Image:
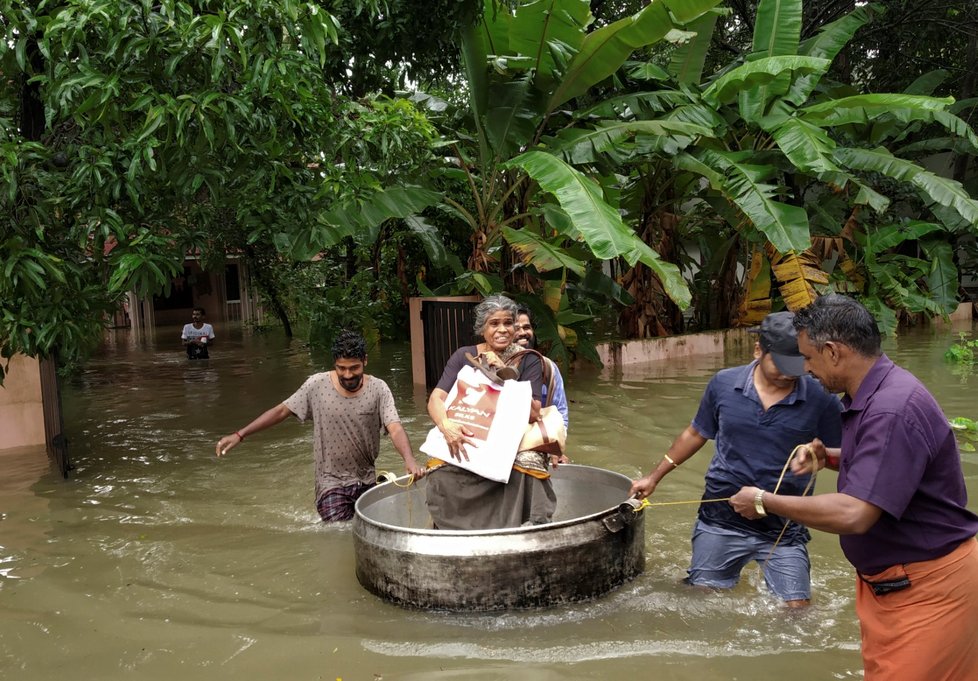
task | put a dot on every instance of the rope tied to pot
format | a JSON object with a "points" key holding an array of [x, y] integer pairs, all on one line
{"points": [[645, 503]]}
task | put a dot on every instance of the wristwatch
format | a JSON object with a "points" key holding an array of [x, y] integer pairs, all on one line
{"points": [[759, 503]]}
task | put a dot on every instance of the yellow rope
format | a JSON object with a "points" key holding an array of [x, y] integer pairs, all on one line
{"points": [[393, 479], [410, 478], [811, 483], [808, 487], [646, 503]]}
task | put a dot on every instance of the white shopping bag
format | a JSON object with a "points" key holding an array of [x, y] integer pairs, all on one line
{"points": [[497, 415]]}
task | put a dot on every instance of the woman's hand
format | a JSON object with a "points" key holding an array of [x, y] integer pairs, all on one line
{"points": [[557, 459], [456, 437]]}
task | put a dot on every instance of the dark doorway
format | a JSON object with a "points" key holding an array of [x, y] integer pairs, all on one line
{"points": [[447, 327]]}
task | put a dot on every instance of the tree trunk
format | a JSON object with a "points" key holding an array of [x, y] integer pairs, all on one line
{"points": [[653, 314], [268, 289]]}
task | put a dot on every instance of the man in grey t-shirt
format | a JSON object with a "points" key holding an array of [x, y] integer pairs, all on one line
{"points": [[348, 408]]}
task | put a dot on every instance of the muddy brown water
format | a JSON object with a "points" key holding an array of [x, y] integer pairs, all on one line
{"points": [[157, 560]]}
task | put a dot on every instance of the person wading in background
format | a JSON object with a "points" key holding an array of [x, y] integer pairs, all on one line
{"points": [[197, 335]]}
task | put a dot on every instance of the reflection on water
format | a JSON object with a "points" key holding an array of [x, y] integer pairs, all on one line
{"points": [[160, 560]]}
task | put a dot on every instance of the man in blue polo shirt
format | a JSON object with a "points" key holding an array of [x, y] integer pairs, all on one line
{"points": [[756, 414], [901, 506]]}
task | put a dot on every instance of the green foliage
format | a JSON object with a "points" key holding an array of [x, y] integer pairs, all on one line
{"points": [[962, 352], [786, 146], [384, 45], [132, 133], [539, 216], [966, 432]]}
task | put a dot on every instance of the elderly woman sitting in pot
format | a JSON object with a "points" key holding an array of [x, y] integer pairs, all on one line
{"points": [[461, 500]]}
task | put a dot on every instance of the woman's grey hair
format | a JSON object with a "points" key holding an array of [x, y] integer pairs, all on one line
{"points": [[840, 319], [488, 307]]}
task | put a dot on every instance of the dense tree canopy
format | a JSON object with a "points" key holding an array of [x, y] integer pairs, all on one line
{"points": [[528, 145], [134, 132]]}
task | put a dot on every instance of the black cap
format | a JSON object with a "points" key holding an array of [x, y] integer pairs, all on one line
{"points": [[779, 338]]}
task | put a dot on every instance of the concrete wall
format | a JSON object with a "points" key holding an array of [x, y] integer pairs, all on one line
{"points": [[21, 409], [618, 354]]}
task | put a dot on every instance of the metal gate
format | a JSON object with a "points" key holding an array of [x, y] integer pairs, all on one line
{"points": [[54, 425], [447, 327]]}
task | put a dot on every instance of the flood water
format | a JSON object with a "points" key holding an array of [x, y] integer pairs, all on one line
{"points": [[157, 560]]}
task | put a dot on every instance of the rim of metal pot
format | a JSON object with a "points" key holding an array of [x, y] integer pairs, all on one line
{"points": [[359, 515]]}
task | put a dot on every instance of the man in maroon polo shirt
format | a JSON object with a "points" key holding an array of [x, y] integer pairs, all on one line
{"points": [[901, 505]]}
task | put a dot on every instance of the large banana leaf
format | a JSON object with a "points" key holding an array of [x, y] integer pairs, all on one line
{"points": [[728, 87], [867, 196], [540, 253], [474, 54], [958, 127], [826, 44], [942, 280], [927, 83], [582, 200], [360, 220], [699, 114], [777, 28], [494, 29], [686, 62], [646, 71], [557, 219], [694, 165], [807, 146], [606, 49], [895, 123], [784, 225], [394, 202], [886, 316], [862, 108], [936, 145], [939, 190], [800, 276], [577, 145], [512, 116], [598, 222], [667, 273], [756, 302], [635, 104], [884, 238], [430, 239], [832, 37], [544, 22]]}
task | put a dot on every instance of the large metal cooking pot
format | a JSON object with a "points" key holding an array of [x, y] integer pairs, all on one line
{"points": [[595, 544]]}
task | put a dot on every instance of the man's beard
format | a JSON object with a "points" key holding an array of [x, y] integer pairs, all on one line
{"points": [[352, 384]]}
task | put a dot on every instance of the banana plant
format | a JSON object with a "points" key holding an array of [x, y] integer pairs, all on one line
{"points": [[536, 220], [784, 141]]}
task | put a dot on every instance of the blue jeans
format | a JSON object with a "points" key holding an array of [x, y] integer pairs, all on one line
{"points": [[721, 553]]}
